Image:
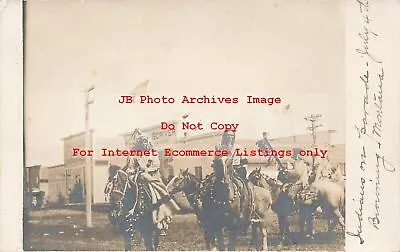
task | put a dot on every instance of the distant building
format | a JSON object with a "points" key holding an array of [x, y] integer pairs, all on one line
{"points": [[74, 166], [57, 184], [35, 183], [32, 176]]}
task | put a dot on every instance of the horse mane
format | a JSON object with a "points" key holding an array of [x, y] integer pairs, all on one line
{"points": [[112, 171], [193, 177]]}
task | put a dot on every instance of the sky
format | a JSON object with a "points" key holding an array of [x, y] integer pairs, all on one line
{"points": [[288, 49]]}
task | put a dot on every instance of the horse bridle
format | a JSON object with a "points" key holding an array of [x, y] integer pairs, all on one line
{"points": [[196, 193], [184, 178], [113, 189]]}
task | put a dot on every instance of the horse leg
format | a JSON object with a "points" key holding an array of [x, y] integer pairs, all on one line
{"points": [[332, 222], [301, 221], [308, 218], [220, 239], [127, 241], [232, 239], [339, 217], [254, 235], [285, 228], [309, 225], [209, 239], [264, 233], [156, 238], [281, 226], [148, 240]]}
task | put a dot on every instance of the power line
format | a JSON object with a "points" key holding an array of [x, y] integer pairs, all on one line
{"points": [[314, 119]]}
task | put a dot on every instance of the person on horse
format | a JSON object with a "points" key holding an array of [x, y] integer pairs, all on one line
{"points": [[239, 165], [146, 169]]}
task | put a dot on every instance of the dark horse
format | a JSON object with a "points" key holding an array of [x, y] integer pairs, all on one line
{"points": [[227, 204], [131, 209], [195, 190]]}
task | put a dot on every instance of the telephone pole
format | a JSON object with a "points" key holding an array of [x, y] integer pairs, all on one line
{"points": [[88, 162], [313, 118]]}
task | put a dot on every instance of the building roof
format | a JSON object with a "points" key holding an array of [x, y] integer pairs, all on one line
{"points": [[200, 136], [54, 166], [76, 134], [33, 166], [149, 128]]}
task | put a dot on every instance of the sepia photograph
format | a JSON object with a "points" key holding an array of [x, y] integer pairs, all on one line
{"points": [[184, 125]]}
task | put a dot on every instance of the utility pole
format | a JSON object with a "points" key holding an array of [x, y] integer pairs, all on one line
{"points": [[313, 118], [88, 163]]}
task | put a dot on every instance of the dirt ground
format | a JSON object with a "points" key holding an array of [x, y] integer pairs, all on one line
{"points": [[65, 230]]}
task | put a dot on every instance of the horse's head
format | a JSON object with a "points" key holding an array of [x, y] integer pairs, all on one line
{"points": [[258, 179], [255, 176], [115, 191], [283, 176], [185, 182], [112, 171], [120, 184], [220, 169]]}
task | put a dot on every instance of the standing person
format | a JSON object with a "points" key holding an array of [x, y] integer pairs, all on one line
{"points": [[283, 207], [146, 169]]}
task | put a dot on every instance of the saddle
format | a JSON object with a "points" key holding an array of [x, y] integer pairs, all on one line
{"points": [[241, 190], [304, 195], [307, 196]]}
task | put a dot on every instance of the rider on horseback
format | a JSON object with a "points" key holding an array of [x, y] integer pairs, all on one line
{"points": [[239, 164], [146, 169], [239, 169]]}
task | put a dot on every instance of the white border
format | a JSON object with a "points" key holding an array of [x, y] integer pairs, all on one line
{"points": [[11, 107], [385, 22]]}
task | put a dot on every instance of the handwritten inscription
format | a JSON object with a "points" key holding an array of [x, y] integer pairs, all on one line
{"points": [[378, 102], [359, 213], [369, 128], [366, 34]]}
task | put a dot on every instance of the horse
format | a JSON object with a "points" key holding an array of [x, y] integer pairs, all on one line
{"points": [[330, 180], [298, 173], [325, 194], [282, 204], [194, 190], [131, 209], [227, 204], [330, 193], [332, 201]]}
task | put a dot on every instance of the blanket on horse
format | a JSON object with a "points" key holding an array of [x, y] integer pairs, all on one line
{"points": [[246, 197], [163, 207], [238, 192]]}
